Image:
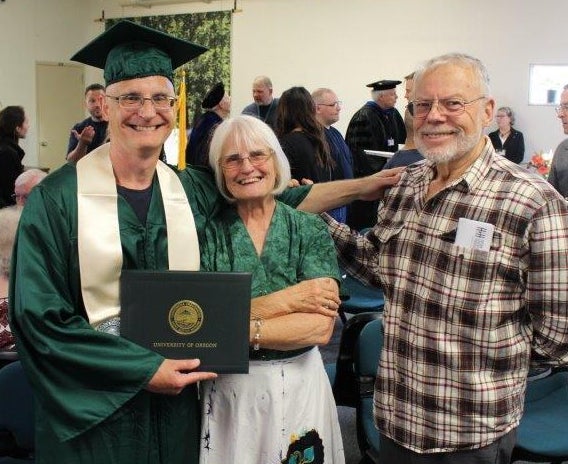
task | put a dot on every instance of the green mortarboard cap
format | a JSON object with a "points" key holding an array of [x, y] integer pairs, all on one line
{"points": [[128, 50]]}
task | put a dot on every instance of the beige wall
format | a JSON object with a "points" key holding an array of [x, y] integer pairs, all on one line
{"points": [[343, 44], [32, 31]]}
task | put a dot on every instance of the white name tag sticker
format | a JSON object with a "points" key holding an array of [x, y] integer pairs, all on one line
{"points": [[474, 234]]}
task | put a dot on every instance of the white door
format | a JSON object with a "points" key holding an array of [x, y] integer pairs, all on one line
{"points": [[60, 88]]}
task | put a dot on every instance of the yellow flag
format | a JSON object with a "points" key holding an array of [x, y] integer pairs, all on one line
{"points": [[182, 123]]}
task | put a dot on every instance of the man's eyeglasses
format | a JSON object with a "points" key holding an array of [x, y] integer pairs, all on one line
{"points": [[563, 108], [446, 106], [135, 102], [338, 104], [255, 157]]}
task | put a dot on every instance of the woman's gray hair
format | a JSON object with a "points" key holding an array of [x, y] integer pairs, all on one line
{"points": [[509, 112], [460, 59], [9, 219], [247, 132]]}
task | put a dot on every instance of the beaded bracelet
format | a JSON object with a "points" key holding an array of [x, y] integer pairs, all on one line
{"points": [[257, 325]]}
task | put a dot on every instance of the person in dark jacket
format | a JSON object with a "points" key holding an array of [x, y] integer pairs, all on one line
{"points": [[14, 126], [265, 104], [217, 106], [508, 141], [376, 126], [90, 133], [328, 108]]}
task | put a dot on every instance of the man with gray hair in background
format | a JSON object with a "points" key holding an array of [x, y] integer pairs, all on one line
{"points": [[472, 254], [264, 105], [558, 176], [328, 108]]}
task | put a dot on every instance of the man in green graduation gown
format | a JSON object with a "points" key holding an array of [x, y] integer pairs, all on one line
{"points": [[101, 398]]}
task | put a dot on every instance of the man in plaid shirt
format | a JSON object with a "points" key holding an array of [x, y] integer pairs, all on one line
{"points": [[472, 254]]}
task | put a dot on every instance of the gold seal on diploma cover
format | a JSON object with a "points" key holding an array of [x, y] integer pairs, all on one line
{"points": [[185, 317]]}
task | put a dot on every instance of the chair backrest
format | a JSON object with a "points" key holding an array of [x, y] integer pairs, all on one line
{"points": [[16, 409], [369, 346], [541, 435], [345, 386], [7, 357], [367, 353], [361, 298]]}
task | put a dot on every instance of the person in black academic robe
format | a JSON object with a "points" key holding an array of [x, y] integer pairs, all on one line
{"points": [[376, 126]]}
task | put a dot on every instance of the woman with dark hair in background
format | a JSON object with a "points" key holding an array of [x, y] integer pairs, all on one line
{"points": [[508, 141], [303, 140], [13, 127], [302, 137]]}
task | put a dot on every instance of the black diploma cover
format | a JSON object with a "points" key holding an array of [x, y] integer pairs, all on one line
{"points": [[189, 314]]}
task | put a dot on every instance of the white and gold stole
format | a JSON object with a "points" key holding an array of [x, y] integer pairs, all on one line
{"points": [[100, 251]]}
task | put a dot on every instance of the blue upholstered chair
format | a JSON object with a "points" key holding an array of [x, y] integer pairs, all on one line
{"points": [[341, 373], [361, 298], [7, 357], [542, 435], [366, 361], [16, 416]]}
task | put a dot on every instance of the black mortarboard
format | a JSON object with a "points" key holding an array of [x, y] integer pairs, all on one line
{"points": [[384, 85], [128, 50], [214, 96]]}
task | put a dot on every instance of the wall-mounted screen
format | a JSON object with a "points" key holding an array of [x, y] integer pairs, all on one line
{"points": [[546, 82]]}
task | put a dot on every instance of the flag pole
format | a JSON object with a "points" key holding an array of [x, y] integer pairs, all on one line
{"points": [[182, 123]]}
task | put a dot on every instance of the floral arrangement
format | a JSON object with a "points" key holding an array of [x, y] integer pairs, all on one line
{"points": [[540, 162]]}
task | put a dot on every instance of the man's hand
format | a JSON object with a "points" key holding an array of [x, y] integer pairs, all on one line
{"points": [[295, 183], [85, 136], [174, 375], [375, 184], [328, 195]]}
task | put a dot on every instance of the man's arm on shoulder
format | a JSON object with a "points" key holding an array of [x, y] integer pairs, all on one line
{"points": [[328, 195]]}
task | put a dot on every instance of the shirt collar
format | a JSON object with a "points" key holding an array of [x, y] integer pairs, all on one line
{"points": [[470, 179]]}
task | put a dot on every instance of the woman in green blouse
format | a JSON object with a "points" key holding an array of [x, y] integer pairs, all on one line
{"points": [[254, 417]]}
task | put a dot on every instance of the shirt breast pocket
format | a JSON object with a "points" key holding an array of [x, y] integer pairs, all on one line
{"points": [[387, 232], [473, 277]]}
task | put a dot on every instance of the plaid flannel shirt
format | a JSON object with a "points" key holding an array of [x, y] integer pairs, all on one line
{"points": [[461, 324]]}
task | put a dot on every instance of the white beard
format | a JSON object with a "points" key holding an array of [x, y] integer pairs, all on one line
{"points": [[462, 145]]}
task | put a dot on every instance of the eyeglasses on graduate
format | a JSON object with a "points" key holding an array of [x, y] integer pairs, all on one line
{"points": [[132, 101]]}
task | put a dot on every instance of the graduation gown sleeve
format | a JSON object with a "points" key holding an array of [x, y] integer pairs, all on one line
{"points": [[80, 376]]}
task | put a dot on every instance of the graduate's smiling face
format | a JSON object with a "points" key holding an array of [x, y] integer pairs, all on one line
{"points": [[145, 128]]}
